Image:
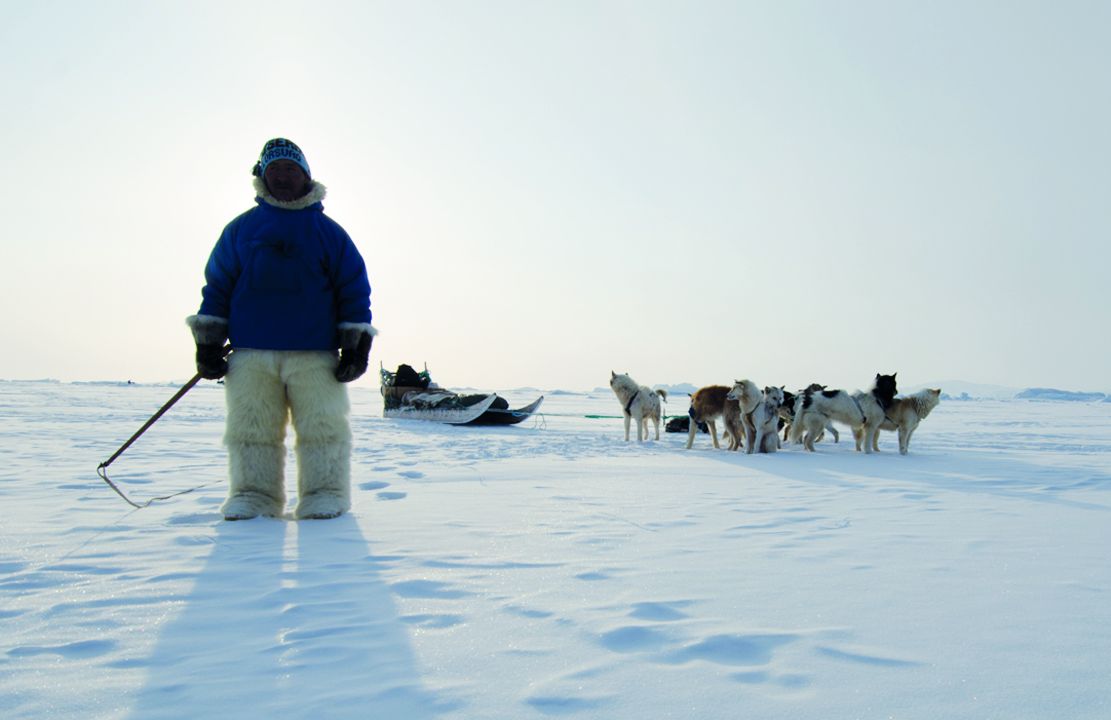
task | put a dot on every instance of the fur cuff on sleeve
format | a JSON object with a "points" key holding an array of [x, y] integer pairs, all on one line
{"points": [[363, 327], [351, 334], [208, 329]]}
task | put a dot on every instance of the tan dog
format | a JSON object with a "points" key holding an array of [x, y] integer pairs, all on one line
{"points": [[638, 402], [731, 419], [707, 406], [904, 415]]}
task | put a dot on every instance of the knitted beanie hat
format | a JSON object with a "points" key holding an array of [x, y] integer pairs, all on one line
{"points": [[280, 149]]}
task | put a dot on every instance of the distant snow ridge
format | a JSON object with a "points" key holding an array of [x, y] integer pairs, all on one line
{"points": [[680, 389], [1066, 395]]}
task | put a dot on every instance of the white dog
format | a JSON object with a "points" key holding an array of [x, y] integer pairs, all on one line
{"points": [[815, 409], [875, 405], [638, 402], [766, 419], [904, 415], [741, 403], [860, 411]]}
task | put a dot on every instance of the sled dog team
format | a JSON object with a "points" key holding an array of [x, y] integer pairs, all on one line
{"points": [[751, 418]]}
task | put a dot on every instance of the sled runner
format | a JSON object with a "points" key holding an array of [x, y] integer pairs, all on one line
{"points": [[504, 416], [408, 394], [441, 407]]}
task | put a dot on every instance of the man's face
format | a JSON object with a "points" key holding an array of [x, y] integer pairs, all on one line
{"points": [[286, 180]]}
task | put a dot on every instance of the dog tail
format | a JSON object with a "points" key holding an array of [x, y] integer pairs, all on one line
{"points": [[662, 393]]}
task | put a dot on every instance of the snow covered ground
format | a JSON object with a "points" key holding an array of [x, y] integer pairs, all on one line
{"points": [[551, 569]]}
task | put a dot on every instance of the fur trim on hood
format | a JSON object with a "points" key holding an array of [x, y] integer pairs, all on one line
{"points": [[315, 194]]}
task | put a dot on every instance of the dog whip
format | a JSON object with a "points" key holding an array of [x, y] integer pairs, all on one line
{"points": [[102, 469]]}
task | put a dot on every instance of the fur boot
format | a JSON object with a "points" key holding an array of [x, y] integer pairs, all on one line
{"points": [[253, 489], [323, 480], [255, 436], [320, 409]]}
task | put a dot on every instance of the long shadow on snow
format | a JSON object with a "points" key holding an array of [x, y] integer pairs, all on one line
{"points": [[262, 635], [968, 471]]}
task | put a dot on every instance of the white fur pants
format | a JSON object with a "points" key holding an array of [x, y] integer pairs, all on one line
{"points": [[264, 389]]}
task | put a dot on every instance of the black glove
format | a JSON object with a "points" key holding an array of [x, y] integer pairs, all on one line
{"points": [[353, 354], [210, 332], [212, 363]]}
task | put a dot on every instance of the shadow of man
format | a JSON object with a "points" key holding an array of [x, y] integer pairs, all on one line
{"points": [[264, 634], [349, 653]]}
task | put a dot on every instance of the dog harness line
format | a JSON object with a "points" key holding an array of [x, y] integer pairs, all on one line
{"points": [[880, 401], [859, 407]]}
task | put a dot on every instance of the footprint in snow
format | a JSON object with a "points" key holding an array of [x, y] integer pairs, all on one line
{"points": [[659, 611], [566, 705], [592, 576], [82, 649], [392, 495], [411, 474], [754, 649], [527, 612], [195, 519], [427, 590], [760, 677], [373, 485], [433, 621], [633, 639]]}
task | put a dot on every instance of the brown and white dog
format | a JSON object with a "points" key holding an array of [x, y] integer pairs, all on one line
{"points": [[707, 406], [638, 402], [903, 416]]}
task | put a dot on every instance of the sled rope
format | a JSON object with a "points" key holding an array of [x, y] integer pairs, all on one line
{"points": [[606, 417]]}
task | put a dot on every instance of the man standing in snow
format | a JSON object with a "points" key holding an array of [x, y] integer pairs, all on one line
{"points": [[286, 285]]}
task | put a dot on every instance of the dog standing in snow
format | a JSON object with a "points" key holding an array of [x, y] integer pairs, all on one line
{"points": [[904, 415], [742, 400], [638, 402], [814, 409], [787, 413], [733, 428], [860, 411], [875, 405], [707, 406], [765, 418]]}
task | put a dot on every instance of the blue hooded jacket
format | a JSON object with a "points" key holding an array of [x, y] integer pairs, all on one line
{"points": [[285, 275]]}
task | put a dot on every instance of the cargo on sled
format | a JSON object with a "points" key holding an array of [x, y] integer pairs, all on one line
{"points": [[408, 394]]}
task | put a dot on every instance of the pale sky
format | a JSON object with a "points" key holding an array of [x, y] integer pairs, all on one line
{"points": [[548, 191]]}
